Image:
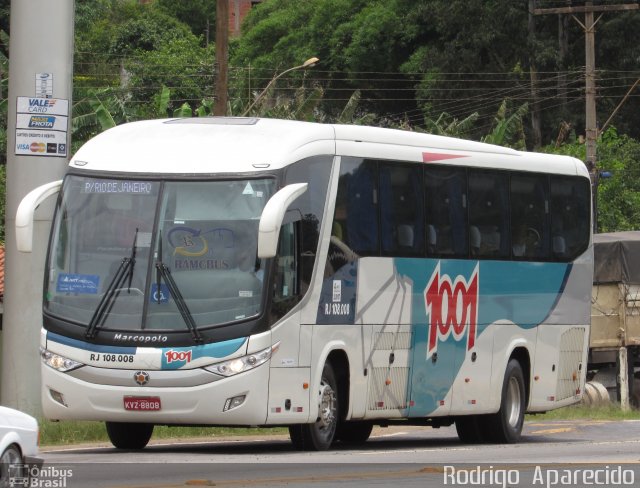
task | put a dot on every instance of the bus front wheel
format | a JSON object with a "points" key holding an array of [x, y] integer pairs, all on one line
{"points": [[320, 435], [354, 432], [129, 435]]}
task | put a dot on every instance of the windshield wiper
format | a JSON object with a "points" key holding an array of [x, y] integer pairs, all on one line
{"points": [[113, 290], [162, 271]]}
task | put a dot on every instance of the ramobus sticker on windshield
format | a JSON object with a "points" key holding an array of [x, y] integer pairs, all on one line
{"points": [[78, 283]]}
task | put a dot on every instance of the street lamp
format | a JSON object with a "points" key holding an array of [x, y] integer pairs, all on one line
{"points": [[309, 63]]}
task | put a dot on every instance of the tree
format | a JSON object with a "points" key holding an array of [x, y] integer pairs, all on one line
{"points": [[618, 197], [199, 15]]}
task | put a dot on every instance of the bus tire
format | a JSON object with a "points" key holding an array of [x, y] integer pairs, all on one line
{"points": [[505, 426], [320, 435], [355, 432], [129, 435], [469, 429]]}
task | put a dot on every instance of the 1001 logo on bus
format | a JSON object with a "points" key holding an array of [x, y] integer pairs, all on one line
{"points": [[177, 356], [452, 308]]}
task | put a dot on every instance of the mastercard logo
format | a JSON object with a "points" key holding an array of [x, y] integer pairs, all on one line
{"points": [[38, 147]]}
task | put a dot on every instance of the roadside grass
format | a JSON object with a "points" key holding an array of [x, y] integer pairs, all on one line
{"points": [[611, 411], [70, 432]]}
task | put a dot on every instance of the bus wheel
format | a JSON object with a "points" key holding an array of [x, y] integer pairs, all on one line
{"points": [[320, 435], [469, 429], [354, 432], [505, 426], [129, 436]]}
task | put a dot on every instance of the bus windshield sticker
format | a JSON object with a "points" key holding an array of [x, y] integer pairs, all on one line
{"points": [[128, 187], [162, 296], [248, 190], [77, 283]]}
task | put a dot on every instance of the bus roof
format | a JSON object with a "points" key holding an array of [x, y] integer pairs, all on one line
{"points": [[211, 145]]}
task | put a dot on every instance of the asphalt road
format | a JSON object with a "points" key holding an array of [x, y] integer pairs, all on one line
{"points": [[404, 456]]}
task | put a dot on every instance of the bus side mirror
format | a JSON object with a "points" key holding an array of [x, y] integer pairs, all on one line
{"points": [[26, 209], [272, 215]]}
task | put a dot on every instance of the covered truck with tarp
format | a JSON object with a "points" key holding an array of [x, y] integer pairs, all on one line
{"points": [[614, 347]]}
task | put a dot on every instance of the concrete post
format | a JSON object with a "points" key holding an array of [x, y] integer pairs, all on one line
{"points": [[38, 136]]}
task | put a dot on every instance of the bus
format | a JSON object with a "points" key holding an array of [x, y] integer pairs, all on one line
{"points": [[324, 278]]}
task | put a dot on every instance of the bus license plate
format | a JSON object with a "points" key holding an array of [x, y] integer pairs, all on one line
{"points": [[142, 404]]}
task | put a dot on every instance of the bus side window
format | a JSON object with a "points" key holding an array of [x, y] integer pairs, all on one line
{"points": [[570, 220], [356, 210], [286, 291], [529, 216], [401, 210], [446, 211], [489, 211]]}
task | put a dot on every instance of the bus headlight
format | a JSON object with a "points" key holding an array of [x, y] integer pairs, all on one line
{"points": [[57, 362], [244, 363]]}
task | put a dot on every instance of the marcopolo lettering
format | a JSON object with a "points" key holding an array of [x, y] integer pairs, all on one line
{"points": [[452, 307], [140, 338]]}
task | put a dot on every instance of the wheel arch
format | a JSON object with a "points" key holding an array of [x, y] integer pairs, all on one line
{"points": [[10, 439], [340, 363], [522, 355], [334, 353]]}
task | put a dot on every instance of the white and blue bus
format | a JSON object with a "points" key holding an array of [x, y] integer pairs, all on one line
{"points": [[327, 278]]}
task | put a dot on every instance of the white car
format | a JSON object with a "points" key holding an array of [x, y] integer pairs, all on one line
{"points": [[19, 447]]}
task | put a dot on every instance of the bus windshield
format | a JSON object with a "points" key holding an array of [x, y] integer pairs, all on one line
{"points": [[156, 255]]}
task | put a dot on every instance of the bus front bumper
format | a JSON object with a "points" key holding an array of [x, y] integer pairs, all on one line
{"points": [[236, 400]]}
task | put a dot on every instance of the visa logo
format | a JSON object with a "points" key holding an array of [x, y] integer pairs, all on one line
{"points": [[23, 146]]}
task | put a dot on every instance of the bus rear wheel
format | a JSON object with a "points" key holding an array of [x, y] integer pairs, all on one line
{"points": [[320, 435], [469, 429], [129, 435], [354, 432], [505, 426]]}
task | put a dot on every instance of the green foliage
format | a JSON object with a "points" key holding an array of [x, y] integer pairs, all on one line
{"points": [[4, 15], [194, 13], [351, 113], [447, 125], [148, 31], [618, 198], [612, 411], [98, 111], [182, 65], [71, 432], [508, 129]]}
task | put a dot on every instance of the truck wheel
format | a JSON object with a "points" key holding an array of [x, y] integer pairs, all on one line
{"points": [[505, 426], [320, 435], [129, 435]]}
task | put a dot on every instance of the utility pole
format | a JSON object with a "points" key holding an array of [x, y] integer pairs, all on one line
{"points": [[39, 110], [533, 73], [589, 26], [222, 58]]}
